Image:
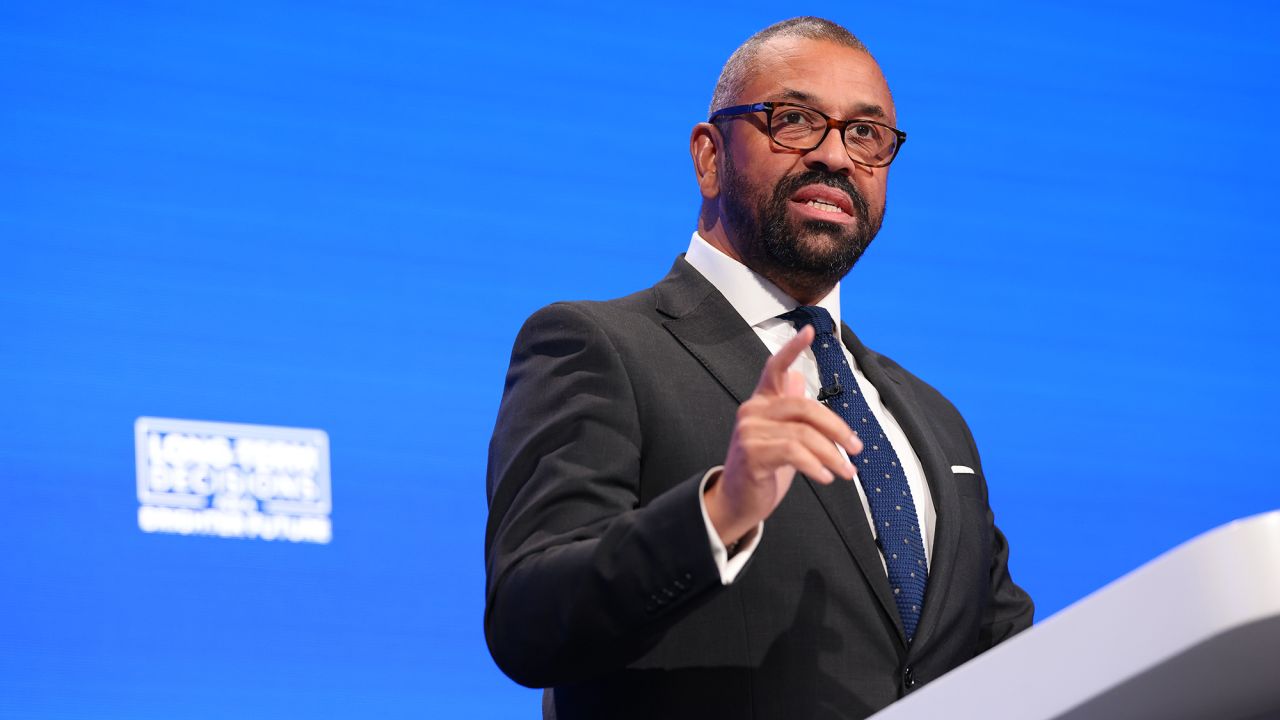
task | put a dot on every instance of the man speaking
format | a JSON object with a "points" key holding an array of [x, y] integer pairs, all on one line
{"points": [[709, 499]]}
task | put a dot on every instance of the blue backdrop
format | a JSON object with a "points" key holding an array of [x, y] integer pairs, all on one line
{"points": [[275, 213]]}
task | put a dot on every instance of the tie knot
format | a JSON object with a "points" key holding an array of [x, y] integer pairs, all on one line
{"points": [[818, 317]]}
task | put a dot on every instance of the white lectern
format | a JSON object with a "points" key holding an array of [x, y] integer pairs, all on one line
{"points": [[1191, 635]]}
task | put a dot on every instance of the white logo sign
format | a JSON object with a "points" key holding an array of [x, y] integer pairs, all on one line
{"points": [[232, 480]]}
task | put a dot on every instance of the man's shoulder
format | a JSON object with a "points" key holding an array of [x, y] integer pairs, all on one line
{"points": [[681, 289], [616, 314], [627, 325], [640, 302], [925, 393]]}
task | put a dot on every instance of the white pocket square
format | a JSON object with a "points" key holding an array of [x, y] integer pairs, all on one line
{"points": [[962, 469]]}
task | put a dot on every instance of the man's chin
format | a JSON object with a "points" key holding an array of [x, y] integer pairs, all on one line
{"points": [[826, 240], [819, 249], [829, 231], [824, 227]]}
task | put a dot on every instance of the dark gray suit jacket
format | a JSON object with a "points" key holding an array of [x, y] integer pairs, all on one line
{"points": [[601, 582]]}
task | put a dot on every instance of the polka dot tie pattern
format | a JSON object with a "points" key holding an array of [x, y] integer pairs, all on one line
{"points": [[879, 469]]}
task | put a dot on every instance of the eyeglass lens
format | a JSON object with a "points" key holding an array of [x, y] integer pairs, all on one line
{"points": [[803, 129]]}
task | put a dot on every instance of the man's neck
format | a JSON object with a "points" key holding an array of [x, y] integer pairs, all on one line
{"points": [[804, 294]]}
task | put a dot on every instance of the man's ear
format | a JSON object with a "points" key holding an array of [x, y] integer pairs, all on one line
{"points": [[705, 145]]}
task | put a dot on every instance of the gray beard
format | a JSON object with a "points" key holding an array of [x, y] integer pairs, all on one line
{"points": [[773, 245]]}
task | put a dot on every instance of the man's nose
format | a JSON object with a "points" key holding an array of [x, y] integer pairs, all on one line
{"points": [[831, 154]]}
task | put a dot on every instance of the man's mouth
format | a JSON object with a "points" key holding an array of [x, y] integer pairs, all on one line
{"points": [[823, 200], [826, 206]]}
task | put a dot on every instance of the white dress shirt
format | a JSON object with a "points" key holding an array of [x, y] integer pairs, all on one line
{"points": [[760, 302]]}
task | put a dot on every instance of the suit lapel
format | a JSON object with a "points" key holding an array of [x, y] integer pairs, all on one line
{"points": [[898, 397], [845, 509], [704, 322]]}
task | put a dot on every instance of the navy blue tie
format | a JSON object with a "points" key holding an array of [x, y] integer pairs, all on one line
{"points": [[879, 469]]}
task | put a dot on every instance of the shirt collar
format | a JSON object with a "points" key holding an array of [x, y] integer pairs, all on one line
{"points": [[756, 299]]}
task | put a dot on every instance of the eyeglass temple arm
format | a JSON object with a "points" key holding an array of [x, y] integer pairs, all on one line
{"points": [[739, 110]]}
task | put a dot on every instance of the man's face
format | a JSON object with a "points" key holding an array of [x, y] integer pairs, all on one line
{"points": [[777, 202]]}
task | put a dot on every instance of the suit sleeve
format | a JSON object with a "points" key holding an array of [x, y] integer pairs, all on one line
{"points": [[581, 578]]}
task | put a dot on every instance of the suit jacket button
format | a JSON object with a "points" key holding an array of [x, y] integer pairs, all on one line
{"points": [[908, 678]]}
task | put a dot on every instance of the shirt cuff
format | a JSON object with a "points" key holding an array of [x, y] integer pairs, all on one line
{"points": [[729, 566]]}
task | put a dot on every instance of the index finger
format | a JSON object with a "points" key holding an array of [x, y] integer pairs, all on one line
{"points": [[773, 381]]}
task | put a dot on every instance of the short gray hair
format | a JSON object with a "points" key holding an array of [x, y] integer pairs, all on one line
{"points": [[741, 64]]}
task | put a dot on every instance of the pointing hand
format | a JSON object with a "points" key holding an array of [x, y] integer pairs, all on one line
{"points": [[778, 432]]}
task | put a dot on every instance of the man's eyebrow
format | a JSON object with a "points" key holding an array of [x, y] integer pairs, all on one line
{"points": [[863, 110], [868, 110], [799, 96]]}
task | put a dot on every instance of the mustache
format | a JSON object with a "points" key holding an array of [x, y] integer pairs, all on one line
{"points": [[789, 185]]}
